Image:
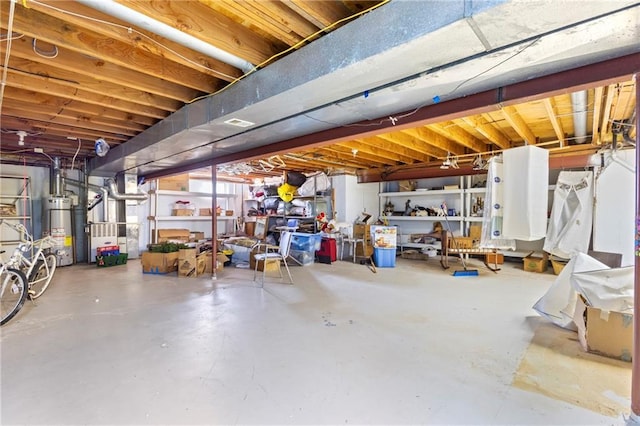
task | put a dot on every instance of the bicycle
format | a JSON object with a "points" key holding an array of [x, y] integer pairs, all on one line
{"points": [[28, 272]]}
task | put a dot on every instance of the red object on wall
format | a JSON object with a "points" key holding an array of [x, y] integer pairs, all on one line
{"points": [[328, 248]]}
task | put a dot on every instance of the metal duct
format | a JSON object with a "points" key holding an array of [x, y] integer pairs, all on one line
{"points": [[57, 190], [113, 193], [579, 104], [143, 21]]}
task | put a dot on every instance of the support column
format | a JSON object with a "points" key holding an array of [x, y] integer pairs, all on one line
{"points": [[214, 221], [635, 369]]}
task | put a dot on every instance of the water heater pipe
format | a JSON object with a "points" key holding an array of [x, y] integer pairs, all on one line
{"points": [[113, 193]]}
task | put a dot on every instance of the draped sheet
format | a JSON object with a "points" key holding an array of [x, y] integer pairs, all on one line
{"points": [[526, 191], [569, 230]]}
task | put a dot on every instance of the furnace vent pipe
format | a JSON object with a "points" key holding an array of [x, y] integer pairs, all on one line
{"points": [[143, 21], [579, 103], [113, 193]]}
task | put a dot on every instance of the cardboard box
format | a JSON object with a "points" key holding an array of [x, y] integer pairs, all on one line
{"points": [[207, 261], [205, 212], [272, 265], [172, 235], [363, 231], [494, 258], [187, 263], [196, 236], [182, 212], [159, 263], [610, 333], [174, 183], [536, 262]]}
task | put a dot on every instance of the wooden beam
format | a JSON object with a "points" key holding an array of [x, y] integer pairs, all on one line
{"points": [[409, 155], [165, 50], [62, 130], [47, 86], [342, 152], [407, 140], [320, 13], [30, 97], [550, 107], [510, 114], [213, 28], [263, 16], [51, 30], [17, 108], [605, 129], [441, 143], [597, 111], [90, 72], [374, 149], [488, 130], [452, 131]]}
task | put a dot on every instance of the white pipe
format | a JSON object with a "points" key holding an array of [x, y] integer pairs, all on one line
{"points": [[138, 19], [579, 102]]}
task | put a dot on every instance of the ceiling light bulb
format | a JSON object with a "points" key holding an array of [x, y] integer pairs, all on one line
{"points": [[21, 135]]}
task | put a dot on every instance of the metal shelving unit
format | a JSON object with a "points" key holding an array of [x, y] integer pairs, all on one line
{"points": [[160, 214], [16, 205]]}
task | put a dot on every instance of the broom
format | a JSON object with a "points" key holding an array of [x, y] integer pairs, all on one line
{"points": [[465, 272]]}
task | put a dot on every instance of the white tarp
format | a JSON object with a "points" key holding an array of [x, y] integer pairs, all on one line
{"points": [[526, 192], [607, 289], [492, 236], [614, 216], [559, 302], [569, 229]]}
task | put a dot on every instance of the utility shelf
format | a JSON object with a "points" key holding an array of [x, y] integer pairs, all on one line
{"points": [[189, 194]]}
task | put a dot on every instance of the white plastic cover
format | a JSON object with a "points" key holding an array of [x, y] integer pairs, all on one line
{"points": [[526, 186], [569, 229], [559, 302], [608, 289], [492, 235]]}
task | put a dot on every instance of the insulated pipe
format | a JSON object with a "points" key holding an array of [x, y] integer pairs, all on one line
{"points": [[579, 103], [113, 193], [119, 11], [105, 204]]}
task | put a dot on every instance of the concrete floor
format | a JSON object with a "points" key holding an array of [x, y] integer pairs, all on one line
{"points": [[407, 345]]}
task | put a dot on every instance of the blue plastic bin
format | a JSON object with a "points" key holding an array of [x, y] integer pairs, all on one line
{"points": [[384, 257], [305, 242]]}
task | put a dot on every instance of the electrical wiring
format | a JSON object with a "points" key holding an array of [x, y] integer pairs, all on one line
{"points": [[293, 47], [49, 55], [133, 30], [6, 37], [76, 154]]}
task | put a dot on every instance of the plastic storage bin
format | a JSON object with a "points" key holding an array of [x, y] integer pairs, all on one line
{"points": [[305, 242], [304, 257], [384, 257]]}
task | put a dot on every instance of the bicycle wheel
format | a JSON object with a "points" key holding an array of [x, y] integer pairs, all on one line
{"points": [[13, 293], [42, 275]]}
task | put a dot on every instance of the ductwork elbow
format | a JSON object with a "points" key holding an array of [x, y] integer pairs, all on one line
{"points": [[113, 193]]}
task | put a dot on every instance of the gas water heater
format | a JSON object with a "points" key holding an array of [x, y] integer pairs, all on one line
{"points": [[57, 218]]}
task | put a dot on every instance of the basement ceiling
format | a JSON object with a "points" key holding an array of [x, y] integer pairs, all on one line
{"points": [[331, 88]]}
